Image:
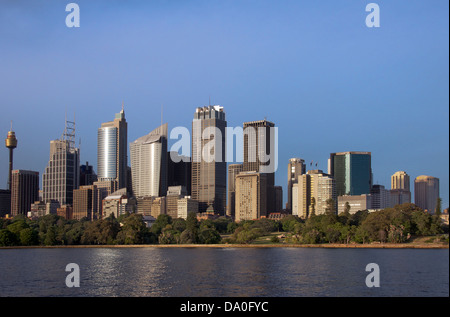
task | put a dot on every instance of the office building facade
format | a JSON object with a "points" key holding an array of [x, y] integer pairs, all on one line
{"points": [[352, 172], [24, 191], [251, 196], [112, 150], [296, 167], [233, 171], [149, 163], [209, 168], [400, 192], [62, 174], [426, 192], [260, 155]]}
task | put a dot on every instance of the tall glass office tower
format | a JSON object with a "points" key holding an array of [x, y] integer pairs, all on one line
{"points": [[149, 156], [112, 162], [352, 172], [209, 168]]}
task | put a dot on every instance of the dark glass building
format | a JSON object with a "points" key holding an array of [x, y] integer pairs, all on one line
{"points": [[352, 172]]}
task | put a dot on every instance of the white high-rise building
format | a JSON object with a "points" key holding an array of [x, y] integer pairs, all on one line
{"points": [[112, 160], [149, 156], [62, 174]]}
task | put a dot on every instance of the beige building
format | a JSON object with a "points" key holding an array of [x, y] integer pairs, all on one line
{"points": [[87, 202], [251, 196], [158, 207], [233, 171], [296, 167], [400, 180], [118, 203], [311, 193], [426, 192], [185, 206], [174, 193], [400, 192], [356, 202]]}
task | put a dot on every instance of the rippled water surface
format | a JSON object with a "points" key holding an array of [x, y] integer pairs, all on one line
{"points": [[220, 272]]}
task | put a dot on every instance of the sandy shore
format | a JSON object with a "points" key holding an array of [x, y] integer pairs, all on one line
{"points": [[277, 245]]}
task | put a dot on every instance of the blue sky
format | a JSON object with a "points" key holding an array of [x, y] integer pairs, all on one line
{"points": [[327, 81]]}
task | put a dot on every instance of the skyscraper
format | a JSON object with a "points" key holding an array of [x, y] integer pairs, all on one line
{"points": [[381, 197], [233, 171], [400, 180], [61, 176], [400, 188], [251, 199], [312, 192], [149, 163], [296, 167], [352, 172], [87, 175], [179, 171], [209, 168], [426, 192], [260, 155], [24, 191], [112, 151]]}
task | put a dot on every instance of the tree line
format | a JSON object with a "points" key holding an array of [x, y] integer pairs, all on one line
{"points": [[393, 225]]}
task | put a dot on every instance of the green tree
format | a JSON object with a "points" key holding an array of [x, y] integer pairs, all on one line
{"points": [[330, 206], [438, 211], [28, 236], [179, 224], [347, 207], [169, 235], [313, 206], [161, 222], [209, 236], [134, 230], [50, 236], [192, 226], [7, 238]]}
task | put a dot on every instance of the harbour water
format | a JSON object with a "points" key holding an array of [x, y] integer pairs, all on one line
{"points": [[223, 272]]}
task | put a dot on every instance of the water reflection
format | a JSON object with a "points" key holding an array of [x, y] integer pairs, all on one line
{"points": [[223, 272]]}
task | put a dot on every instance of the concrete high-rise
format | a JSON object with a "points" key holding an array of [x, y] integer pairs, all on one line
{"points": [[426, 192], [112, 147], [149, 163], [233, 171], [400, 180], [62, 174], [251, 199], [259, 155], [296, 167], [400, 188], [381, 197], [352, 172], [311, 194], [209, 168], [24, 191]]}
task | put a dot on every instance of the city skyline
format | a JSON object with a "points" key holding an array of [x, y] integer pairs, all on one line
{"points": [[330, 83]]}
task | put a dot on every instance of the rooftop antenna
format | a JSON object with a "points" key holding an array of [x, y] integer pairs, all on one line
{"points": [[161, 114], [69, 132]]}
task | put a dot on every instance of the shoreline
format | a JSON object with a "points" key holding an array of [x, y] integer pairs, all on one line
{"points": [[324, 246]]}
